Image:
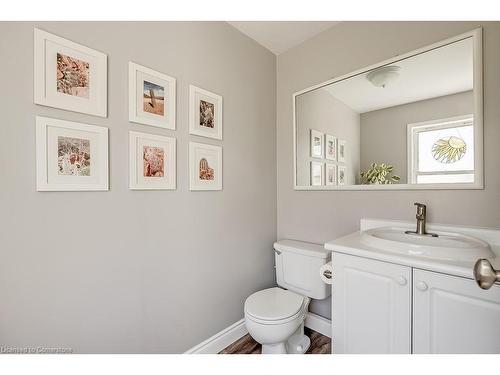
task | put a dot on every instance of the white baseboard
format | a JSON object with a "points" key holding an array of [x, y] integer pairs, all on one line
{"points": [[234, 332], [319, 324], [220, 340]]}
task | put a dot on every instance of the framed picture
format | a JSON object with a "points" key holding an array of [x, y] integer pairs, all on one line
{"points": [[341, 175], [70, 156], [316, 173], [341, 150], [205, 113], [205, 167], [69, 76], [330, 147], [330, 174], [151, 97], [316, 144], [152, 162]]}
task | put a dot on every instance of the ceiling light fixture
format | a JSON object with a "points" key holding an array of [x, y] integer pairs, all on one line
{"points": [[384, 76]]}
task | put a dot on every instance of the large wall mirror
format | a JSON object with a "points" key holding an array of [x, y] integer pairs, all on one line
{"points": [[412, 122]]}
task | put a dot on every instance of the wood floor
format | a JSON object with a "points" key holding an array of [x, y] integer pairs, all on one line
{"points": [[247, 345]]}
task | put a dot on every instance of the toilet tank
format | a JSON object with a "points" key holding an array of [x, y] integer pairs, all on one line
{"points": [[297, 267]]}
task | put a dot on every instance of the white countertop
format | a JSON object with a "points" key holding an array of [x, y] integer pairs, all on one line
{"points": [[352, 245]]}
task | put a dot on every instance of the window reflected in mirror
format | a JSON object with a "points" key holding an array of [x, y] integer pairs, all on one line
{"points": [[441, 151]]}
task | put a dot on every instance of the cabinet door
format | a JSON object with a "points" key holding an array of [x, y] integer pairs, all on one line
{"points": [[453, 315], [370, 306]]}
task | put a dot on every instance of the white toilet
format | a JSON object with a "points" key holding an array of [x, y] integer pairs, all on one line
{"points": [[275, 317]]}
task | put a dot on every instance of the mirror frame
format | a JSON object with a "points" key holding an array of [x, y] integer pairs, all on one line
{"points": [[478, 183]]}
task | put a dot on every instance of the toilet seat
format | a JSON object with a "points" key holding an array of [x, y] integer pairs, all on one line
{"points": [[274, 322], [274, 306]]}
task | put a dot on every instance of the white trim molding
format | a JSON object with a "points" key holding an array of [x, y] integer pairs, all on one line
{"points": [[220, 340], [236, 331], [319, 324]]}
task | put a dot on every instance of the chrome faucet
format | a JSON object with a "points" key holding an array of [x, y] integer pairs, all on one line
{"points": [[421, 219]]}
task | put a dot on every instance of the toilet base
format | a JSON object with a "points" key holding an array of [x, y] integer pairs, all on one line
{"points": [[298, 343], [279, 348]]}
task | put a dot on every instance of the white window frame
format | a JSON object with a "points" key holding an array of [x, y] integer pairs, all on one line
{"points": [[414, 129]]}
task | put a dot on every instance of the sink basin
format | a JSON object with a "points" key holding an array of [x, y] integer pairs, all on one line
{"points": [[448, 246]]}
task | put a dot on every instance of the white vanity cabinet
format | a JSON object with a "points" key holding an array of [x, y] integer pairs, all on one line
{"points": [[382, 307], [371, 306], [453, 315]]}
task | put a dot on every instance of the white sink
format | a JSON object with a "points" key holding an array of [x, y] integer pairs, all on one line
{"points": [[448, 246]]}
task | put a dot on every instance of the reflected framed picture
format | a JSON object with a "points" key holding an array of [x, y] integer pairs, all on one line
{"points": [[205, 113], [316, 173], [330, 147], [342, 150], [70, 156], [205, 166], [151, 97], [330, 174], [341, 175], [69, 76], [152, 162], [316, 144]]}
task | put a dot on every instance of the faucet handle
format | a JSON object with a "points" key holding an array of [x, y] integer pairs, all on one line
{"points": [[421, 209]]}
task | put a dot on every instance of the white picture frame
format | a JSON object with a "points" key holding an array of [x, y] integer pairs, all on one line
{"points": [[145, 170], [341, 175], [205, 113], [317, 173], [70, 156], [152, 97], [330, 174], [330, 147], [342, 150], [205, 160], [317, 149], [68, 75]]}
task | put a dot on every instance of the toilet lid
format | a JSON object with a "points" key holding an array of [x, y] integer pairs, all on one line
{"points": [[273, 304]]}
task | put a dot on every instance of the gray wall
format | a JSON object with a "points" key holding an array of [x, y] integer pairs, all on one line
{"points": [[383, 132], [150, 271], [320, 110], [319, 216]]}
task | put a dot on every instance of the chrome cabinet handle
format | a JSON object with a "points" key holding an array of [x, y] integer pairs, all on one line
{"points": [[327, 274], [422, 286], [485, 274]]}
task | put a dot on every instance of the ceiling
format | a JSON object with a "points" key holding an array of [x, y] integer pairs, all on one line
{"points": [[279, 36], [439, 72]]}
